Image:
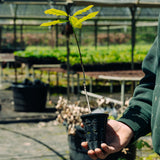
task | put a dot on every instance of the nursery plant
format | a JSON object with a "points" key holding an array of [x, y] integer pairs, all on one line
{"points": [[116, 53], [95, 124], [75, 23]]}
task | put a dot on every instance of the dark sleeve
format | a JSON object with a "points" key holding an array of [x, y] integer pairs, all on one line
{"points": [[138, 115]]}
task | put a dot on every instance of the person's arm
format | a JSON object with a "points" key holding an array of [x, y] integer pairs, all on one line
{"points": [[136, 120], [138, 114]]}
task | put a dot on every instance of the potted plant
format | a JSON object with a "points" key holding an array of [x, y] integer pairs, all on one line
{"points": [[69, 114], [95, 123]]}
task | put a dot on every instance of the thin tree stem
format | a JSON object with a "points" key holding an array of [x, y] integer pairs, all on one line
{"points": [[84, 77]]}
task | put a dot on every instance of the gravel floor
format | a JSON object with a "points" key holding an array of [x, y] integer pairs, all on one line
{"points": [[37, 140], [33, 141]]}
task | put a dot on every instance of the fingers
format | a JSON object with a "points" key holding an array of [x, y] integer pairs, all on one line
{"points": [[82, 125], [99, 153], [92, 154], [84, 145]]}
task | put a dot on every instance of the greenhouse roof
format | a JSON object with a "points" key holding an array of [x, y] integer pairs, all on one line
{"points": [[109, 10]]}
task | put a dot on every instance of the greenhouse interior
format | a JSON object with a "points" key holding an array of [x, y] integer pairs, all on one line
{"points": [[18, 17], [53, 70]]}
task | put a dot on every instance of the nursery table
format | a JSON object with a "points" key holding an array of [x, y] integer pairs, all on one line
{"points": [[5, 57], [49, 68], [55, 68], [122, 80], [120, 76]]}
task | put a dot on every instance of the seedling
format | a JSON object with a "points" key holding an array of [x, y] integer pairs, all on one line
{"points": [[75, 23]]}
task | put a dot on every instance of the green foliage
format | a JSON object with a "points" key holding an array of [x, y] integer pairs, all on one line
{"points": [[90, 55], [150, 154], [141, 143], [153, 156]]}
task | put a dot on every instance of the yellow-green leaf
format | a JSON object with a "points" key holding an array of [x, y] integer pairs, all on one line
{"points": [[56, 12], [53, 22], [78, 25], [82, 10], [73, 21], [89, 16]]}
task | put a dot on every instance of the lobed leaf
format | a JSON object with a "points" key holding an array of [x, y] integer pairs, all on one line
{"points": [[82, 10], [53, 22], [89, 16], [56, 12]]}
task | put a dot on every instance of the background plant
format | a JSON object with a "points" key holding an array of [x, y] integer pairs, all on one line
{"points": [[103, 54], [36, 35]]}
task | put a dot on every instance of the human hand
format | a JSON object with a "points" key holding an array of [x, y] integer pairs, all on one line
{"points": [[118, 135]]}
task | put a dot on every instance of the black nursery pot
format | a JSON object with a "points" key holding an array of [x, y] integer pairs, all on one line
{"points": [[29, 97], [95, 129]]}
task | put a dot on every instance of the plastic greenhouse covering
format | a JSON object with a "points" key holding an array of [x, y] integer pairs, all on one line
{"points": [[111, 13], [110, 10]]}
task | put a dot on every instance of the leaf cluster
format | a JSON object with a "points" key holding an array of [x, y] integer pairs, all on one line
{"points": [[115, 53], [75, 22]]}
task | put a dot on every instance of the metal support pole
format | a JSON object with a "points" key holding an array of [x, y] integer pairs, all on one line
{"points": [[15, 71], [78, 87], [108, 38], [72, 86], [1, 73], [57, 36], [57, 79], [22, 41], [52, 39], [90, 85], [41, 73], [33, 73], [49, 78], [14, 27], [27, 70], [68, 54], [15, 36], [111, 86], [68, 69], [95, 34], [123, 92], [133, 34], [0, 37]]}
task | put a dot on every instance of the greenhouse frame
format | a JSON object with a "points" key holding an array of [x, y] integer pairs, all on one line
{"points": [[111, 13]]}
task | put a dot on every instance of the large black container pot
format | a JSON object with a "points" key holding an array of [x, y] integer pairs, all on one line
{"points": [[30, 97], [79, 153], [75, 150]]}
